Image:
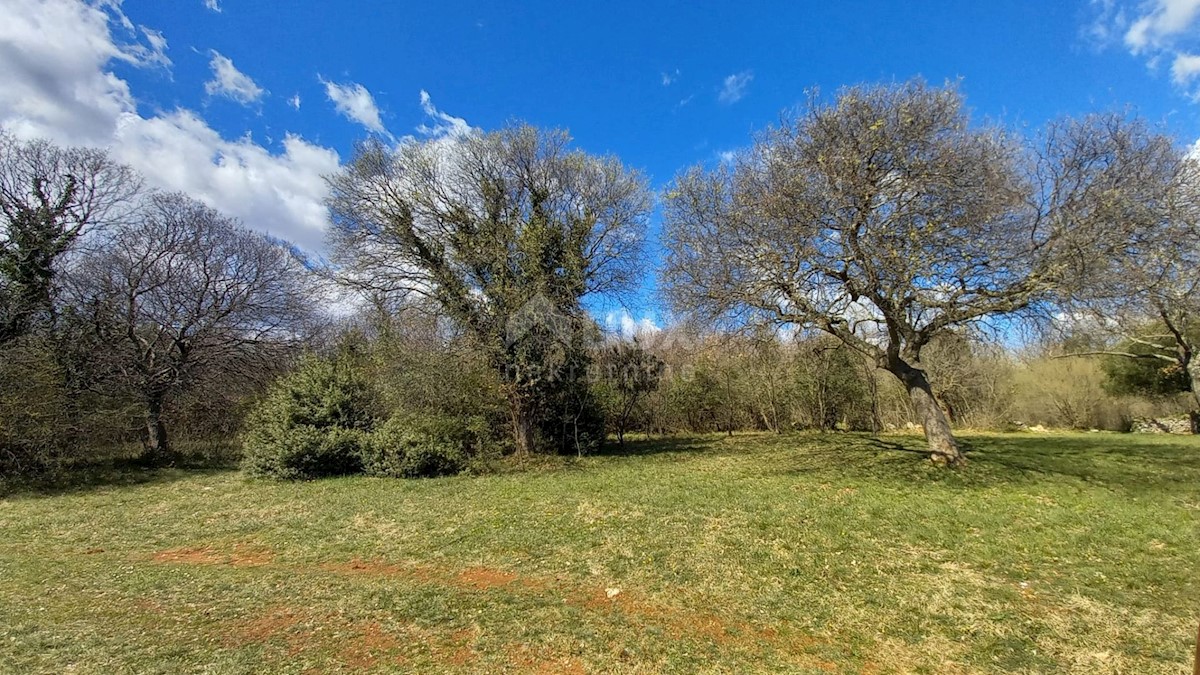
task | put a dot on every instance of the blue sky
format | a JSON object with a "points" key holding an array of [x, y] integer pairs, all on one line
{"points": [[246, 104]]}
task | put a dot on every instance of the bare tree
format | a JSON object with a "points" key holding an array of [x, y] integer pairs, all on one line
{"points": [[885, 219], [1145, 296], [179, 294], [48, 197], [505, 232]]}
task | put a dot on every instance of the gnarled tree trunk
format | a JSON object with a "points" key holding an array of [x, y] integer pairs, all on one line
{"points": [[943, 448]]}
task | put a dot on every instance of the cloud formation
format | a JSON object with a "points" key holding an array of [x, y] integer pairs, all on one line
{"points": [[1164, 32], [356, 103], [57, 57], [230, 82], [213, 5], [733, 89]]}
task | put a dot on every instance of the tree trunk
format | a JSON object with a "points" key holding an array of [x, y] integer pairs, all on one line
{"points": [[524, 434], [943, 448], [1193, 371], [156, 448]]}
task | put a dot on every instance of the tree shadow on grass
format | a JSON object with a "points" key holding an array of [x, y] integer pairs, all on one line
{"points": [[646, 446], [109, 474], [1126, 462]]}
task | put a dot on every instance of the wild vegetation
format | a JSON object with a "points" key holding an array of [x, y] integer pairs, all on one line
{"points": [[739, 489]]}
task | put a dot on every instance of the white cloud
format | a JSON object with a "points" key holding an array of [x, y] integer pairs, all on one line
{"points": [[1164, 21], [669, 78], [294, 101], [57, 55], [1160, 31], [1185, 68], [443, 124], [230, 82], [282, 194], [214, 5], [733, 89], [622, 323], [356, 103]]}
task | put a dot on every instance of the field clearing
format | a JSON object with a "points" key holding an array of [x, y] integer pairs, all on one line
{"points": [[807, 553]]}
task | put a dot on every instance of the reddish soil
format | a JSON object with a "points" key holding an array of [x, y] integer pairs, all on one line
{"points": [[483, 578], [369, 644], [242, 555]]}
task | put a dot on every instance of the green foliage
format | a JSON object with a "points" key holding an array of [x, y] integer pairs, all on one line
{"points": [[36, 423], [627, 374], [314, 422], [831, 387], [1148, 374], [423, 446]]}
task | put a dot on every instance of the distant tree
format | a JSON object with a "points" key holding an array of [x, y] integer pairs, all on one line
{"points": [[49, 196], [178, 294], [506, 233], [632, 373], [885, 218], [1146, 366], [829, 382]]}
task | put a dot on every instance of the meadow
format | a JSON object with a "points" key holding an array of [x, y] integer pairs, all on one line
{"points": [[804, 553]]}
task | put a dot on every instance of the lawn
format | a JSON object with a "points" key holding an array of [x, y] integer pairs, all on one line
{"points": [[798, 553]]}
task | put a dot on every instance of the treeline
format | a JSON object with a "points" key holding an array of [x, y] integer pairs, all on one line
{"points": [[841, 274]]}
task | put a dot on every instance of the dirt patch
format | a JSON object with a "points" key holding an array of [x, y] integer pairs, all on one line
{"points": [[242, 555], [356, 645], [483, 578]]}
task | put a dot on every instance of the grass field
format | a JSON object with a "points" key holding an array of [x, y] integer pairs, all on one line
{"points": [[798, 553]]}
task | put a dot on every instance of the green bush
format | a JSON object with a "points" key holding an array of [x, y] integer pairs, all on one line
{"points": [[314, 422], [423, 446]]}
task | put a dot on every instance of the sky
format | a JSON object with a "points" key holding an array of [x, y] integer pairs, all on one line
{"points": [[248, 104]]}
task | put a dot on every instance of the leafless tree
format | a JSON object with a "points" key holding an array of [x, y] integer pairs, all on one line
{"points": [[1144, 297], [506, 232], [885, 218], [179, 294], [48, 197]]}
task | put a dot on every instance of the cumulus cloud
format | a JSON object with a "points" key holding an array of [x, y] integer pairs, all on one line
{"points": [[294, 101], [733, 88], [213, 5], [669, 78], [1161, 31], [230, 82], [1161, 23], [356, 103], [57, 57]]}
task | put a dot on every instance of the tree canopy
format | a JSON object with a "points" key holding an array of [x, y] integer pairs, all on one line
{"points": [[885, 218], [505, 233]]}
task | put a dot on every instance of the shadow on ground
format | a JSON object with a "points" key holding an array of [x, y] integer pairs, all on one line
{"points": [[1118, 461], [108, 475]]}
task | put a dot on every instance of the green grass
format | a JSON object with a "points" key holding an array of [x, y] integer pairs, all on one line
{"points": [[799, 553]]}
